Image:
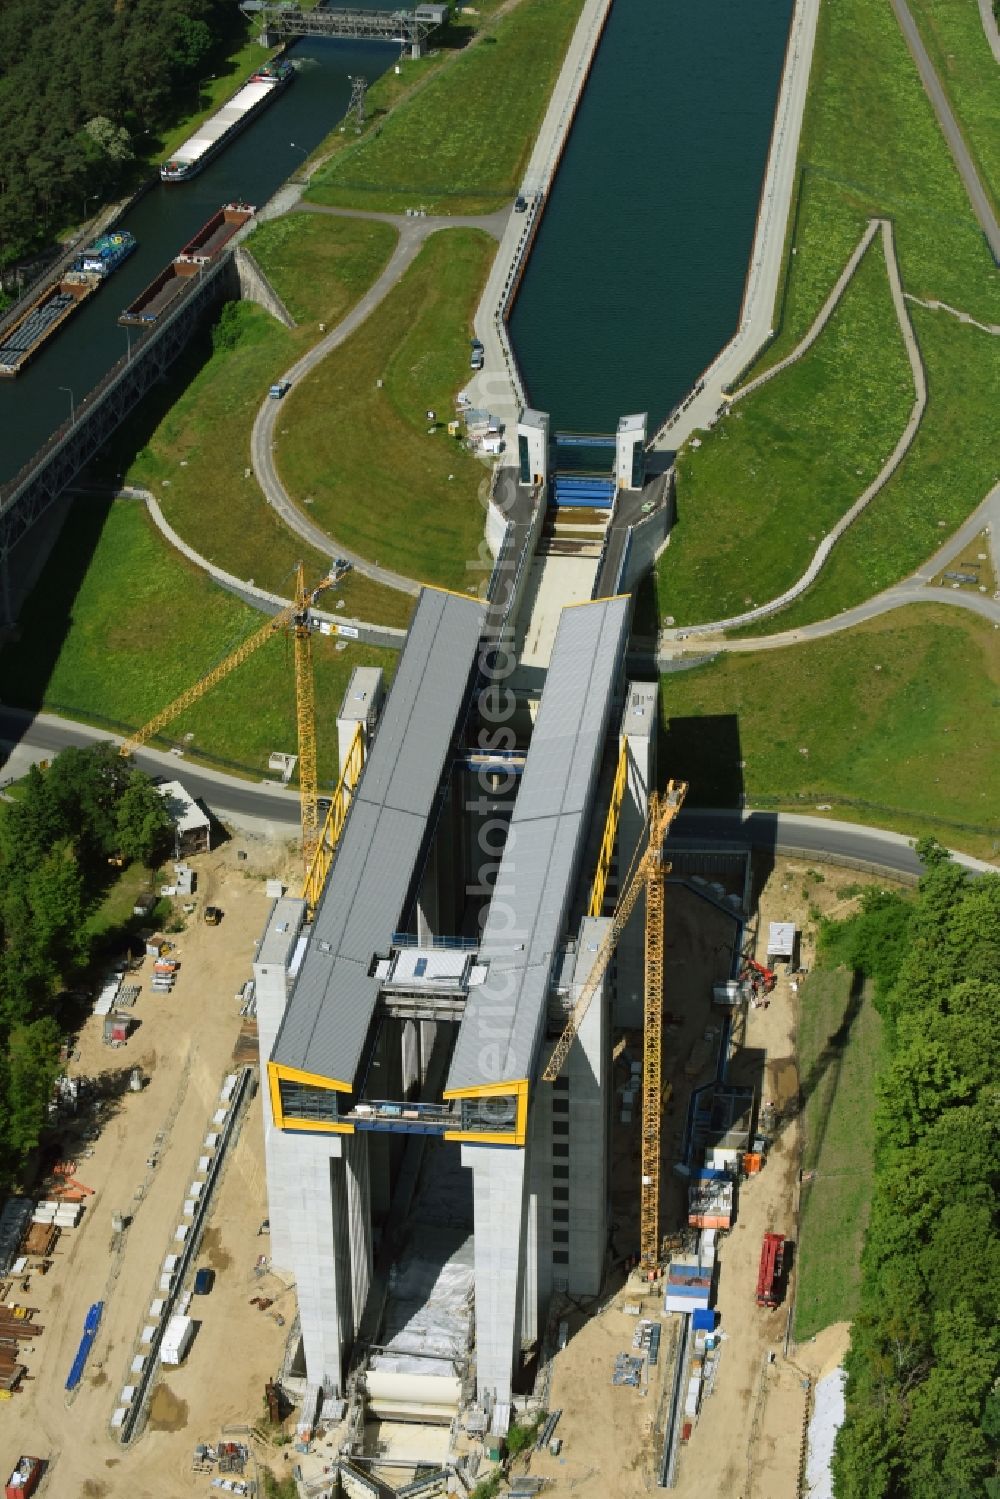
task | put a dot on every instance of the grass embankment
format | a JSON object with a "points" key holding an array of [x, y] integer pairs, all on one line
{"points": [[894, 722], [870, 146], [360, 451], [138, 625], [460, 144], [840, 1052], [948, 470], [954, 37], [196, 459], [756, 499]]}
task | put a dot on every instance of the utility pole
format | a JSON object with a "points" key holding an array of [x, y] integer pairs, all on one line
{"points": [[359, 87]]}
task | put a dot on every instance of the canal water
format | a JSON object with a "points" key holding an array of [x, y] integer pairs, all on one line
{"points": [[637, 273], [252, 167]]}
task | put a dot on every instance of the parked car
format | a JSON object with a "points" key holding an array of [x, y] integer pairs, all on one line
{"points": [[204, 1281], [477, 358], [520, 203]]}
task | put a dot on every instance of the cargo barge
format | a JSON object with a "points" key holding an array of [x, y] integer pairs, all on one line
{"points": [[260, 89], [57, 302], [161, 293], [216, 234]]}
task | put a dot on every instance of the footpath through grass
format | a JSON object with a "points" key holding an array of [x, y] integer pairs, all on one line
{"points": [[840, 1052], [755, 500], [895, 722], [947, 472], [954, 37], [461, 143], [354, 440], [120, 625], [870, 146], [196, 456]]}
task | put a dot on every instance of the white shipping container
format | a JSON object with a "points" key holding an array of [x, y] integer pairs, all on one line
{"points": [[176, 1340]]}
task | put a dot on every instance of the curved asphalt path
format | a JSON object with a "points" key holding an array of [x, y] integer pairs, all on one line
{"points": [[981, 205], [913, 590], [990, 27], [265, 809], [412, 234]]}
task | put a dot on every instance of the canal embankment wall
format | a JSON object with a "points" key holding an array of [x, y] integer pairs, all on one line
{"points": [[700, 408], [255, 287], [499, 387]]}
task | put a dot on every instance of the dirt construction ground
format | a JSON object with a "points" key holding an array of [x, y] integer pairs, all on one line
{"points": [[184, 1044], [748, 1440]]}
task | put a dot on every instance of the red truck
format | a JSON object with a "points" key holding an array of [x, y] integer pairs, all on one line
{"points": [[771, 1271], [24, 1479]]}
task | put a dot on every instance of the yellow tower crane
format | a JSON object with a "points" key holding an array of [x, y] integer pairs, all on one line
{"points": [[295, 617], [647, 873]]}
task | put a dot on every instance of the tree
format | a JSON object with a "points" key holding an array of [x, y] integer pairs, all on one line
{"points": [[143, 822], [32, 1068]]}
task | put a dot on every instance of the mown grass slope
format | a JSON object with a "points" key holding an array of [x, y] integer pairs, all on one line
{"points": [[460, 143], [757, 497], [896, 722], [135, 625], [839, 1053], [354, 440]]}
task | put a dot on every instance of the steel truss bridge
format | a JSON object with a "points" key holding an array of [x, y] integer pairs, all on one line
{"points": [[353, 24]]}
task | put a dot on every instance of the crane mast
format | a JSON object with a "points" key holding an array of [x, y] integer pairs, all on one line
{"points": [[648, 873], [295, 615]]}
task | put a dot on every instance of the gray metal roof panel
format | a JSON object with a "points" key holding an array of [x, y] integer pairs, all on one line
{"points": [[419, 717], [331, 1006], [504, 1019]]}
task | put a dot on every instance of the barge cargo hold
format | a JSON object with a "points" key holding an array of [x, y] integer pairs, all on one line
{"points": [[198, 150], [216, 234], [160, 293], [212, 238], [55, 303]]}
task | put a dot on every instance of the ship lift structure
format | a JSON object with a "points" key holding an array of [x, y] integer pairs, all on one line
{"points": [[318, 842], [646, 875]]}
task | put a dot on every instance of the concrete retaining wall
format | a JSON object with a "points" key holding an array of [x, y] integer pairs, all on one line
{"points": [[255, 287]]}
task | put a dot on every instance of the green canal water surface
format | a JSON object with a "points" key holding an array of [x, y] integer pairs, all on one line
{"points": [[637, 273]]}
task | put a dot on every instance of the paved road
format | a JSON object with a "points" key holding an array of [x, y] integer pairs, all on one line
{"points": [[263, 808], [949, 126], [25, 738], [412, 234], [787, 831], [913, 590], [990, 27]]}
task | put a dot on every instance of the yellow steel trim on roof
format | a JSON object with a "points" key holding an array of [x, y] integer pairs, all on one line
{"points": [[607, 598], [485, 1090], [316, 1126], [518, 1090], [471, 1138], [470, 598], [311, 1079]]}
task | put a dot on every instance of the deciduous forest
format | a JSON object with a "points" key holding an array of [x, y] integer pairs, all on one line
{"points": [[923, 1405], [85, 85], [57, 844]]}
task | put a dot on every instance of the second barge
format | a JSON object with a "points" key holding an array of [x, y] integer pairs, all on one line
{"points": [[163, 291], [58, 301], [256, 94]]}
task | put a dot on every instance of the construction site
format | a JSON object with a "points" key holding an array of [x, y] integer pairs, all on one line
{"points": [[458, 1145]]}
